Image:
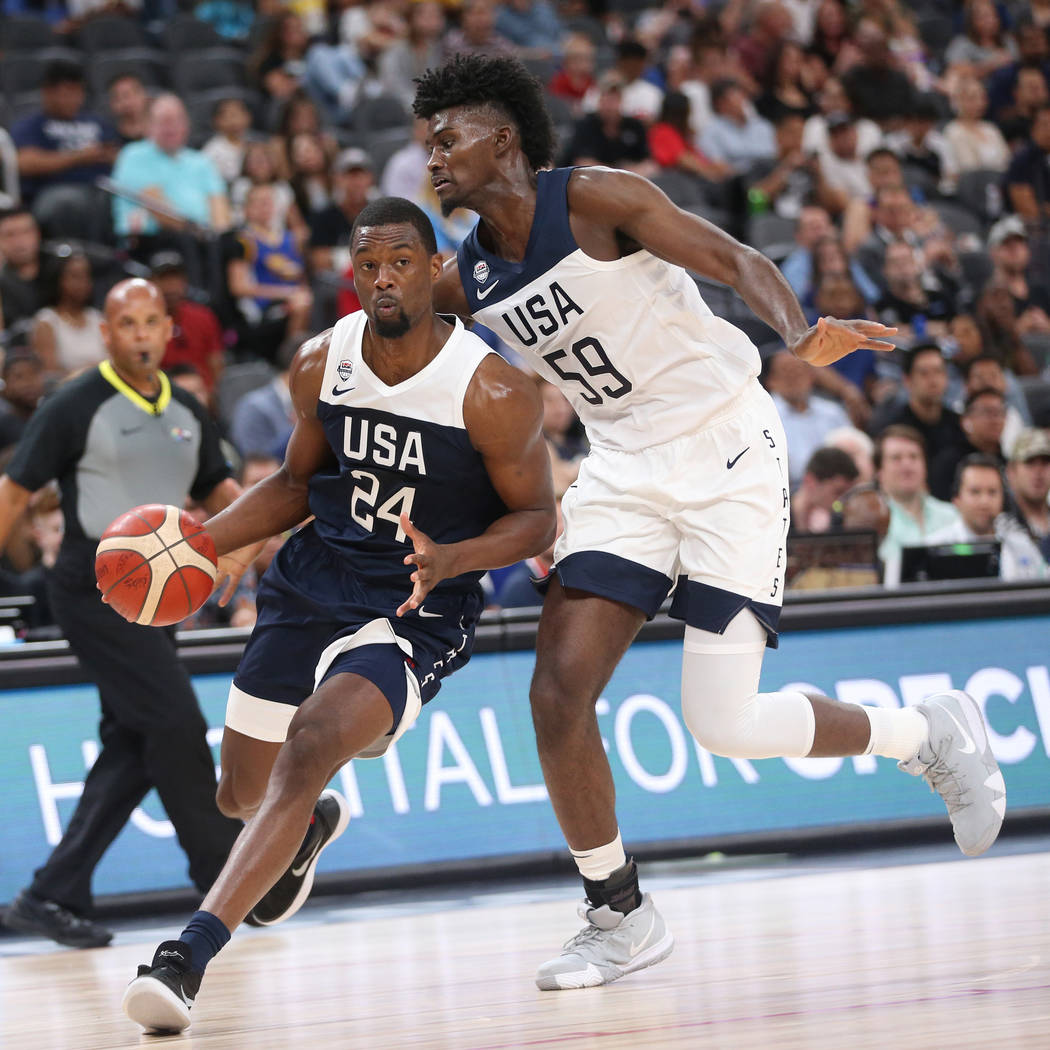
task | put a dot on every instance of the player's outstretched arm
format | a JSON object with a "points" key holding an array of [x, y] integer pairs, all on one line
{"points": [[641, 211], [280, 502], [504, 418]]}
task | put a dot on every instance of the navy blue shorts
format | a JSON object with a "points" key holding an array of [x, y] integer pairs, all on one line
{"points": [[316, 620]]}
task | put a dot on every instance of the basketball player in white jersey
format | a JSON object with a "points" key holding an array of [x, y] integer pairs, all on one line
{"points": [[686, 488], [420, 456]]}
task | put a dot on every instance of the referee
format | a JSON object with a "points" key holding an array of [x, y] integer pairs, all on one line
{"points": [[114, 437]]}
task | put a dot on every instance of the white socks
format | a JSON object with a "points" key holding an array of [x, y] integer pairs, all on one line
{"points": [[896, 733]]}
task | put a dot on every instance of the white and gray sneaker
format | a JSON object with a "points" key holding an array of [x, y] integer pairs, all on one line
{"points": [[958, 764], [610, 946]]}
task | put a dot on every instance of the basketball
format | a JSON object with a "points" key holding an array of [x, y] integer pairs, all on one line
{"points": [[155, 565]]}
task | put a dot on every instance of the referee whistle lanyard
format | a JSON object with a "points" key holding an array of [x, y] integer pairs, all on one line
{"points": [[153, 408]]}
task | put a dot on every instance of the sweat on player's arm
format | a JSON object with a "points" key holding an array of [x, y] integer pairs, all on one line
{"points": [[643, 212], [504, 419]]}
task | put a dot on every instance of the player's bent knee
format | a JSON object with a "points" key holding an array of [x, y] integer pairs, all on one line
{"points": [[731, 740], [238, 797]]}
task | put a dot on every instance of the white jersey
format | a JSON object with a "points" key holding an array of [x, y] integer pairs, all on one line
{"points": [[631, 343]]}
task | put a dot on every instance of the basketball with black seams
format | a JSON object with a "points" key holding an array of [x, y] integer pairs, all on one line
{"points": [[155, 565]]}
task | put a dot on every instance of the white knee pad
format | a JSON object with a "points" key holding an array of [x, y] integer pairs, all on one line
{"points": [[721, 704]]}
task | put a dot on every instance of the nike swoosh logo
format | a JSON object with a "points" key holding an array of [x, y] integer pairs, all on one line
{"points": [[301, 869], [730, 463], [423, 612], [636, 948], [969, 747], [336, 392], [485, 294]]}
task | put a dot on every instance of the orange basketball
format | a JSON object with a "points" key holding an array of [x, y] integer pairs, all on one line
{"points": [[155, 565]]}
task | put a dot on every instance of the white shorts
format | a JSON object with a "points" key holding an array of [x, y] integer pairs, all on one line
{"points": [[706, 514]]}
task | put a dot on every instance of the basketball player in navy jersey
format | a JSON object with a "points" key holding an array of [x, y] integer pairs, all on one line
{"points": [[584, 272], [420, 455]]}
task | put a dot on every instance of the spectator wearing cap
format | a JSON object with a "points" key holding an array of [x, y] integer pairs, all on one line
{"points": [[64, 145], [608, 136], [196, 335], [1028, 177], [978, 494], [1011, 256], [353, 186], [736, 135], [925, 384], [1029, 475], [266, 277], [982, 422]]}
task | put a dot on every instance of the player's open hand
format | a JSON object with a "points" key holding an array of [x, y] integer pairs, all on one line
{"points": [[432, 562], [830, 340]]}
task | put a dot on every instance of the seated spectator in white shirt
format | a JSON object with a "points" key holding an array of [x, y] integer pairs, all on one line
{"points": [[978, 497]]}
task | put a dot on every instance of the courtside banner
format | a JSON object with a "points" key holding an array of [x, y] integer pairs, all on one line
{"points": [[465, 782]]}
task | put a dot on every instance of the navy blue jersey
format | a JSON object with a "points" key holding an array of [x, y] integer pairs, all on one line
{"points": [[401, 448]]}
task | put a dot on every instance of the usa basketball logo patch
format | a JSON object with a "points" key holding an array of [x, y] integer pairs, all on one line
{"points": [[345, 369], [481, 271]]}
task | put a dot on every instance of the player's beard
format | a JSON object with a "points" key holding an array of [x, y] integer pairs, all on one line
{"points": [[393, 328]]}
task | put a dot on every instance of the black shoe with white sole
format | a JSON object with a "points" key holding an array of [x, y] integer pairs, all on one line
{"points": [[289, 892], [31, 914], [162, 993]]}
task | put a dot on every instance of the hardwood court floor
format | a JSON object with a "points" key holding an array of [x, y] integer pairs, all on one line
{"points": [[927, 956]]}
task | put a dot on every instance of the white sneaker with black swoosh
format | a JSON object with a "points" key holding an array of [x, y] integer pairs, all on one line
{"points": [[288, 894], [958, 764], [609, 947]]}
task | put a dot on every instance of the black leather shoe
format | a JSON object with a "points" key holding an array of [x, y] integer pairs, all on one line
{"points": [[30, 914]]}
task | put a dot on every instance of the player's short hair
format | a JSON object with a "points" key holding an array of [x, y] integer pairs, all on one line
{"points": [[828, 463], [503, 83], [389, 211], [976, 459]]}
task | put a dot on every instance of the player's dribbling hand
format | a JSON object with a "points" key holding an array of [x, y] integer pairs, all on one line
{"points": [[432, 565], [830, 340], [231, 567]]}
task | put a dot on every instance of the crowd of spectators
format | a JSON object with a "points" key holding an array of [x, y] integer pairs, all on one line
{"points": [[893, 158]]}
